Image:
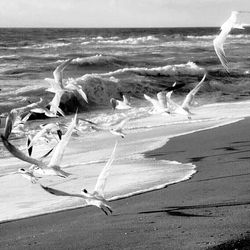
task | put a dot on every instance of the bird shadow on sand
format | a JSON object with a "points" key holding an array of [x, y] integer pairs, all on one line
{"points": [[232, 152], [240, 142], [220, 177], [157, 154], [180, 210]]}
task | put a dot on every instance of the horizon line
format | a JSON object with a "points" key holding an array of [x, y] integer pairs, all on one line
{"points": [[111, 27]]}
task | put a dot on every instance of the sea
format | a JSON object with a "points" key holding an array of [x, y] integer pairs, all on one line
{"points": [[108, 63]]}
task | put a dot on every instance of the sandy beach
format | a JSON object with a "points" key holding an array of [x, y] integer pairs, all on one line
{"points": [[210, 209]]}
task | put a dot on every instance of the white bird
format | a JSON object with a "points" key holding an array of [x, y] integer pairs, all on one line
{"points": [[33, 105], [57, 82], [58, 87], [174, 108], [40, 108], [53, 167], [46, 130], [115, 128], [117, 104], [54, 104], [159, 104], [190, 96], [97, 197], [231, 23]]}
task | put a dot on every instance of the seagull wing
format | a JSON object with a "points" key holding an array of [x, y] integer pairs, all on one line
{"points": [[10, 123], [19, 154], [161, 96], [59, 192], [154, 102], [54, 87], [61, 146], [54, 104], [102, 178], [44, 129], [219, 50], [58, 72], [37, 136], [125, 100], [82, 94], [121, 124], [221, 38], [190, 96]]}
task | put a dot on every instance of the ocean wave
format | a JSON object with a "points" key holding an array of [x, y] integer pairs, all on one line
{"points": [[116, 40], [189, 68], [9, 57], [96, 60], [135, 81], [47, 45], [210, 37]]}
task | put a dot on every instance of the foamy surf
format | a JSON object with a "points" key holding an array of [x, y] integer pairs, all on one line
{"points": [[86, 156]]}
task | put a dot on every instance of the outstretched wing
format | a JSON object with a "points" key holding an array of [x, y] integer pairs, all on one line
{"points": [[102, 178], [61, 146], [161, 96], [221, 38], [54, 104], [219, 50], [188, 100], [121, 124], [19, 154], [154, 102], [10, 123], [58, 72], [59, 192], [125, 100]]}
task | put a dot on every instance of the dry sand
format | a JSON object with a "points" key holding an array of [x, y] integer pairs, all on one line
{"points": [[210, 209]]}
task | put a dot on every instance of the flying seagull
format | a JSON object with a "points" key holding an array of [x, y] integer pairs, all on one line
{"points": [[231, 23], [53, 167], [97, 197]]}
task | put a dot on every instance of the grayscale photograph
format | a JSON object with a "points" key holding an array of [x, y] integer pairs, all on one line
{"points": [[125, 124]]}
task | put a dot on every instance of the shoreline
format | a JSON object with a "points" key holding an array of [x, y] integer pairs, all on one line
{"points": [[146, 155], [149, 205]]}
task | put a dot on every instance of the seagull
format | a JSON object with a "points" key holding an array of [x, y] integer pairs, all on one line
{"points": [[231, 23], [97, 197], [115, 128], [190, 96], [176, 108], [40, 108], [58, 87], [46, 130], [54, 104], [159, 104], [57, 82], [117, 104], [53, 167], [31, 105]]}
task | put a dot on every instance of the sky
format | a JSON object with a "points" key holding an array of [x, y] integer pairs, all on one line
{"points": [[118, 13]]}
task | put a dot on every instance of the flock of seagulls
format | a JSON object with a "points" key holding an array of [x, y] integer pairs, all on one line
{"points": [[162, 104]]}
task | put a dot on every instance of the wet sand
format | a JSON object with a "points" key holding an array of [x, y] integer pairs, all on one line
{"points": [[210, 209]]}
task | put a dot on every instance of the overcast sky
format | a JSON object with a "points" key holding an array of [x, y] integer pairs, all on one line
{"points": [[118, 13]]}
